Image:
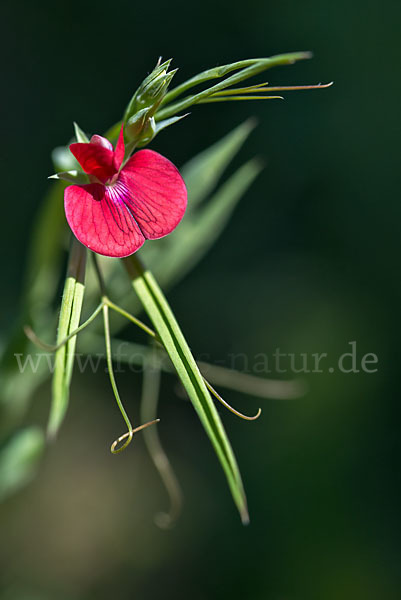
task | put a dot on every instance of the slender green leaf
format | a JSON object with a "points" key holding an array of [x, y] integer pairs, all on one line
{"points": [[167, 122], [199, 234], [202, 172], [237, 98], [177, 348], [70, 313], [223, 70], [19, 460], [257, 66], [246, 69]]}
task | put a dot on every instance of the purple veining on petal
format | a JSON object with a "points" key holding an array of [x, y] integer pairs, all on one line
{"points": [[119, 197], [115, 213]]}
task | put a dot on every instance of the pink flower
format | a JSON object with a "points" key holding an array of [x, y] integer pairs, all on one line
{"points": [[122, 207]]}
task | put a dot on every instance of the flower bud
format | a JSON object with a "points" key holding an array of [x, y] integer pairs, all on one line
{"points": [[151, 91]]}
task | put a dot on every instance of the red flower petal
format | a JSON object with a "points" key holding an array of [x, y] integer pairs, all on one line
{"points": [[101, 221], [148, 200], [155, 193], [95, 159]]}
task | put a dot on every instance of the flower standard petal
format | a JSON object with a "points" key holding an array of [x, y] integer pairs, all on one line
{"points": [[155, 193], [101, 221]]}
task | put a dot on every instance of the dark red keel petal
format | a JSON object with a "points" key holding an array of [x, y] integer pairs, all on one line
{"points": [[95, 159], [101, 221], [99, 140], [154, 192]]}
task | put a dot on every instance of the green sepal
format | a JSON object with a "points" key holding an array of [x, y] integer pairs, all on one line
{"points": [[148, 133], [167, 122], [74, 176], [80, 135], [141, 127]]}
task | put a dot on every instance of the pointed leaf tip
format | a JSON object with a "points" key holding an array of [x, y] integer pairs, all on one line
{"points": [[245, 516], [80, 135], [73, 176]]}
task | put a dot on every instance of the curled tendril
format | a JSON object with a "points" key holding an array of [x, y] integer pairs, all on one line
{"points": [[114, 449], [31, 335], [129, 435], [229, 407]]}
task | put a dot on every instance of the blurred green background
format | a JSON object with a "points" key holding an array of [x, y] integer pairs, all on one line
{"points": [[309, 263]]}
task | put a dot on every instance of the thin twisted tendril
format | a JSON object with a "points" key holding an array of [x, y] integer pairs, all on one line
{"points": [[104, 306], [113, 380], [129, 435], [31, 335], [229, 407]]}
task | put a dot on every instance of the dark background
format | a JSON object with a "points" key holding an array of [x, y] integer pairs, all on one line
{"points": [[309, 263]]}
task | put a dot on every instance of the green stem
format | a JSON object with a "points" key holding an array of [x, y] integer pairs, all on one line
{"points": [[70, 313]]}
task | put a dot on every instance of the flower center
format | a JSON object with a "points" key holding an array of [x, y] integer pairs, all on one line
{"points": [[112, 180]]}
